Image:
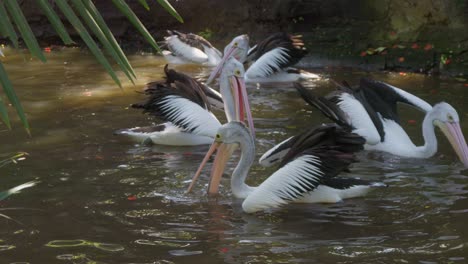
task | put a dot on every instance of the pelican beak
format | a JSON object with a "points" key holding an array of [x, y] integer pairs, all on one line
{"points": [[212, 149], [241, 101], [222, 157], [223, 154], [455, 136], [220, 65]]}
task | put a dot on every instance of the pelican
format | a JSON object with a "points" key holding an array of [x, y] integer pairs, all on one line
{"points": [[308, 173], [184, 104], [190, 49], [371, 111], [271, 59]]}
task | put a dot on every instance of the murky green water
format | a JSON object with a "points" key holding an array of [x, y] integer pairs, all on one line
{"points": [[104, 199]]}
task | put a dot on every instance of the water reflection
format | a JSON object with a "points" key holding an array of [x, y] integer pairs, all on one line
{"points": [[99, 187]]}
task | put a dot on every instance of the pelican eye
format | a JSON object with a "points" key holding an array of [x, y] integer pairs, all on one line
{"points": [[237, 72], [218, 136], [450, 118], [235, 44]]}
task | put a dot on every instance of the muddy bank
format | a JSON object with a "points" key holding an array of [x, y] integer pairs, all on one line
{"points": [[425, 35]]}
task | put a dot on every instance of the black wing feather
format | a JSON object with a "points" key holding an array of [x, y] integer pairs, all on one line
{"points": [[176, 84], [293, 44]]}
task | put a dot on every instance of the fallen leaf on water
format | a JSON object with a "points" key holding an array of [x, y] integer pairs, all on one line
{"points": [[401, 59], [415, 46], [465, 84], [363, 53], [47, 49], [411, 121], [132, 198]]}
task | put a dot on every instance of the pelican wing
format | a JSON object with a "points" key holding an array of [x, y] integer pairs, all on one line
{"points": [[347, 108], [191, 39], [328, 108], [191, 88], [174, 106], [277, 153], [295, 179], [274, 54], [316, 156], [383, 98], [179, 48]]}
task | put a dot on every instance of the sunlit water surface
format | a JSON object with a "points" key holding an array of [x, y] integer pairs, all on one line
{"points": [[105, 199]]}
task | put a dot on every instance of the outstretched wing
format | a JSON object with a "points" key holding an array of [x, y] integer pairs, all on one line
{"points": [[274, 54], [171, 103], [348, 108], [314, 158], [383, 98]]}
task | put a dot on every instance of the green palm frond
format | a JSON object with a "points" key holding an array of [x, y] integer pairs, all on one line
{"points": [[87, 21]]}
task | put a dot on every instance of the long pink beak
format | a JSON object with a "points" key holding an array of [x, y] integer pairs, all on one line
{"points": [[457, 140], [220, 65], [222, 157], [242, 102]]}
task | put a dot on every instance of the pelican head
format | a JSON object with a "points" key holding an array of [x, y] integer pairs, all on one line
{"points": [[237, 48], [446, 118], [227, 139], [234, 92]]}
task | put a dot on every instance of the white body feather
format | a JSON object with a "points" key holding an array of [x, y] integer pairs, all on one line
{"points": [[186, 54], [397, 142], [326, 194], [274, 191], [282, 76], [171, 136], [359, 118], [263, 67], [192, 115], [185, 51], [201, 125], [262, 70]]}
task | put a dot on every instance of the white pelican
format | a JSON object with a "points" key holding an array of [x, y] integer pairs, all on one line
{"points": [[308, 173], [271, 59], [184, 104], [190, 49], [371, 111]]}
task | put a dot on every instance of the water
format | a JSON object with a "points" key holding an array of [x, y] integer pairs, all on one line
{"points": [[104, 199]]}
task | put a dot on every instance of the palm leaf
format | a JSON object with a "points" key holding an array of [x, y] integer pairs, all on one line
{"points": [[7, 28], [11, 16], [127, 11], [170, 9], [144, 4], [55, 21], [5, 194], [102, 24], [24, 29], [102, 31], [92, 24], [80, 28], [13, 159]]}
